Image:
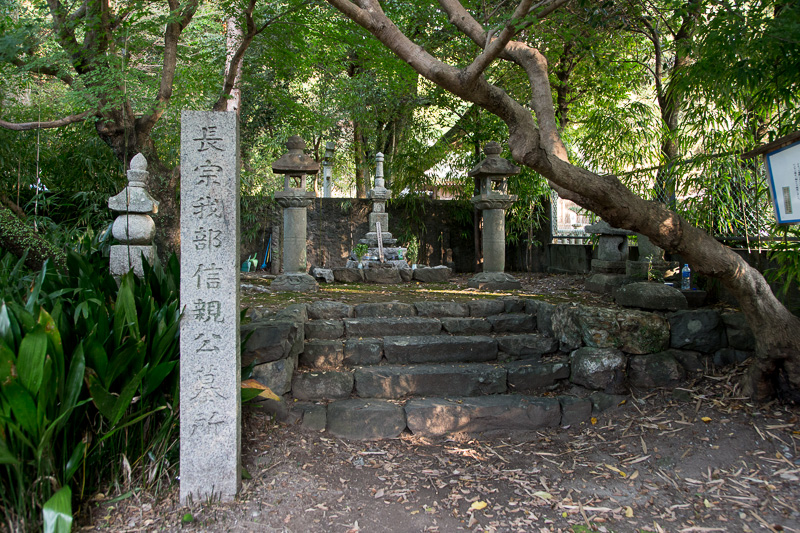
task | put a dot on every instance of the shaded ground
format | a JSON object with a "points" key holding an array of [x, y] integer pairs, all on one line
{"points": [[693, 459]]}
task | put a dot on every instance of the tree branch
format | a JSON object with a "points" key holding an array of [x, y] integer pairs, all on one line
{"points": [[27, 126], [172, 35], [496, 46]]}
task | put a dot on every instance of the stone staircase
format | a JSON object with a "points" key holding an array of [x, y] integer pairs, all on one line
{"points": [[433, 368], [375, 370]]}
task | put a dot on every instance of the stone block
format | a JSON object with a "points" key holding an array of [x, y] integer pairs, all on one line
{"points": [[442, 309], [527, 377], [134, 229], [641, 333], [359, 352], [514, 305], [382, 276], [700, 330], [655, 370], [730, 356], [612, 248], [348, 275], [605, 283], [359, 419], [598, 369], [378, 327], [738, 332], [324, 309], [602, 401], [439, 349], [322, 354], [574, 410], [692, 362], [332, 385], [384, 310], [270, 340], [438, 274], [600, 266], [650, 295], [435, 417], [529, 346], [124, 258], [544, 315], [494, 281], [406, 274], [324, 329], [294, 282], [314, 417], [564, 322], [276, 375], [466, 326], [513, 323], [429, 380], [485, 308], [324, 275]]}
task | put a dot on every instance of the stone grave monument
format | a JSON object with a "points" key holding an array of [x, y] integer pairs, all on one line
{"points": [[493, 200], [134, 228], [295, 199], [608, 270], [210, 370]]}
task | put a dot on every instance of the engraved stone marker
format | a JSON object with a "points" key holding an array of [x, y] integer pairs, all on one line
{"points": [[210, 400]]}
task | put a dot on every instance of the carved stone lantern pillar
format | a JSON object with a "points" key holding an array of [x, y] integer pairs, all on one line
{"points": [[133, 228], [295, 166], [493, 200]]}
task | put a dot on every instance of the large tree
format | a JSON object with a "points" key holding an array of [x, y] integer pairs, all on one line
{"points": [[535, 142]]}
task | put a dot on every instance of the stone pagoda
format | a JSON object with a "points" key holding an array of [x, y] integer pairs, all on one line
{"points": [[134, 228], [295, 200], [493, 200]]}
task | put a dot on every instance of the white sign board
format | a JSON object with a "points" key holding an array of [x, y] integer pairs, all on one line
{"points": [[783, 167]]}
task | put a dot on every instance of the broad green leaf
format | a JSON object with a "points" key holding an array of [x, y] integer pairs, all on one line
{"points": [[30, 361], [7, 362], [33, 298], [126, 396], [96, 358], [57, 512], [23, 408], [6, 457], [74, 381], [74, 461], [125, 318], [156, 376], [102, 399]]}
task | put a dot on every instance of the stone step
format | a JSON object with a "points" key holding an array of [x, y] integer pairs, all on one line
{"points": [[330, 353], [441, 380], [439, 349], [390, 381], [434, 417], [432, 323]]}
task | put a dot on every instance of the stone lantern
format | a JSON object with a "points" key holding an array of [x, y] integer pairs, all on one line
{"points": [[295, 166], [133, 228], [493, 200]]}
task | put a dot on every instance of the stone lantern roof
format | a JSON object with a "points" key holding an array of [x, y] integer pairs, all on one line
{"points": [[295, 162], [494, 166]]}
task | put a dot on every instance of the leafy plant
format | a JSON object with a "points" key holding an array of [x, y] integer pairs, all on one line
{"points": [[412, 250], [89, 384], [360, 250], [786, 254]]}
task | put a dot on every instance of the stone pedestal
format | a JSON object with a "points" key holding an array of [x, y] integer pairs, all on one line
{"points": [[134, 229], [295, 278], [651, 263]]}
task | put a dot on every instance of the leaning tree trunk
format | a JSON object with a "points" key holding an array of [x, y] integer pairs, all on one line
{"points": [[538, 145]]}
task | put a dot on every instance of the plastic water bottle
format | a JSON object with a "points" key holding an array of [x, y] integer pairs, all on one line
{"points": [[686, 278]]}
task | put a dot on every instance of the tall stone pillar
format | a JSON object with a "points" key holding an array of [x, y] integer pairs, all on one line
{"points": [[295, 199], [134, 229], [493, 201]]}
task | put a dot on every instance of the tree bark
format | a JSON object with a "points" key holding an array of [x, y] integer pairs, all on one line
{"points": [[541, 148]]}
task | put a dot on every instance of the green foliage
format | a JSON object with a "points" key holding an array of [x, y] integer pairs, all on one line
{"points": [[360, 250], [89, 384], [412, 250], [786, 253]]}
